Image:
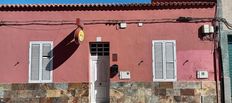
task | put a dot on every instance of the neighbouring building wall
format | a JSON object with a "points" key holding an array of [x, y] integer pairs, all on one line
{"points": [[224, 11]]}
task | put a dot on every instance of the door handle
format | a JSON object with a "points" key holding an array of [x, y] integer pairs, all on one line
{"points": [[46, 56]]}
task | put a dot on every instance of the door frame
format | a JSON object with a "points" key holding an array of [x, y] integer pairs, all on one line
{"points": [[92, 72], [91, 79], [96, 57]]}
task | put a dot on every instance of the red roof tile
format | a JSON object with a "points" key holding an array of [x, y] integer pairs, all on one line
{"points": [[154, 5]]}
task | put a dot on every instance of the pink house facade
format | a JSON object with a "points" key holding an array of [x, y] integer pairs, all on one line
{"points": [[128, 53]]}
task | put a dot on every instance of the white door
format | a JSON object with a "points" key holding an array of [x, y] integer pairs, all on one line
{"points": [[99, 79], [99, 72]]}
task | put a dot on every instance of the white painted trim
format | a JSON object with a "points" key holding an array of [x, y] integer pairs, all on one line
{"points": [[29, 64], [51, 71], [40, 61], [153, 60], [91, 80], [164, 60], [40, 64], [175, 61]]}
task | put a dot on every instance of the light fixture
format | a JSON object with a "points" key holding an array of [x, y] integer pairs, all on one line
{"points": [[140, 24]]}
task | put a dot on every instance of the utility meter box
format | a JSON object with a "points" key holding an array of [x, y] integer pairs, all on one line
{"points": [[122, 25], [206, 29], [202, 74], [124, 75]]}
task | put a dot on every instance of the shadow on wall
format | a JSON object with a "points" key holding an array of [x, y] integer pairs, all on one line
{"points": [[113, 70], [63, 51]]}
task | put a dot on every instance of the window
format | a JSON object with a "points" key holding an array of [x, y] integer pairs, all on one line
{"points": [[164, 60], [40, 63], [99, 49]]}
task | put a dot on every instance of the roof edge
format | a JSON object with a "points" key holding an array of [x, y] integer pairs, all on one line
{"points": [[106, 6]]}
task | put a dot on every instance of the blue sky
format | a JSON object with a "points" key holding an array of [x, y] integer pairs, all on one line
{"points": [[70, 1]]}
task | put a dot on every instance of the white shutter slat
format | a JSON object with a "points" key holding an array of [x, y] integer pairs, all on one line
{"points": [[35, 59], [170, 66], [158, 60], [46, 64]]}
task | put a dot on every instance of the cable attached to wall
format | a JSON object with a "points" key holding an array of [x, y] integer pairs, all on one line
{"points": [[114, 22]]}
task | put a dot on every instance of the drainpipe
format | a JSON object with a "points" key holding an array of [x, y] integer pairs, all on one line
{"points": [[217, 56]]}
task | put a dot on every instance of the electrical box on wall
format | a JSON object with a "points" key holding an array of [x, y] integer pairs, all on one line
{"points": [[206, 29], [122, 25], [124, 75], [98, 39], [202, 74]]}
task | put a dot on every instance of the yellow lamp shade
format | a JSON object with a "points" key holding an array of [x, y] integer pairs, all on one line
{"points": [[81, 35]]}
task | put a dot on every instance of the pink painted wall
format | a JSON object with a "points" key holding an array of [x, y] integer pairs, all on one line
{"points": [[132, 44]]}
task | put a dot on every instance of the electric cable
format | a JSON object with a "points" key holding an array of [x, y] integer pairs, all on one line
{"points": [[114, 22]]}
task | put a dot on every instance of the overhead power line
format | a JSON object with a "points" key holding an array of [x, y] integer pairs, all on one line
{"points": [[114, 22], [89, 22]]}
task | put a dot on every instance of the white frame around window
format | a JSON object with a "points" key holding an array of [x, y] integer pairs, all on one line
{"points": [[153, 60], [40, 69]]}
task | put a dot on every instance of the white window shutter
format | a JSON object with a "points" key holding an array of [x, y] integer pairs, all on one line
{"points": [[46, 63], [35, 61], [40, 65], [158, 60], [170, 60], [164, 60]]}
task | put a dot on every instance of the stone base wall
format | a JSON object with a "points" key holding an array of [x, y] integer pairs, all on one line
{"points": [[44, 93], [120, 92], [164, 92]]}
